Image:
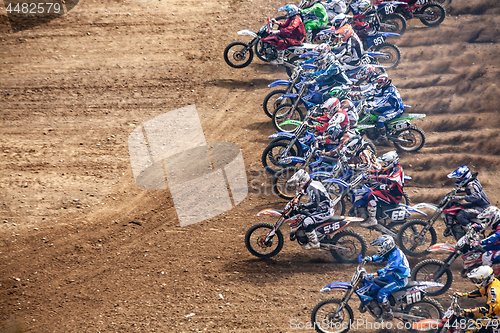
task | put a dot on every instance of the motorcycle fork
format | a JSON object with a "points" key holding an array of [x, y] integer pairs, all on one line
{"points": [[447, 263], [276, 227], [431, 222]]}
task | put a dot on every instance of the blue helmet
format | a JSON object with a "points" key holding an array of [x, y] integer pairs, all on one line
{"points": [[463, 175], [385, 244], [291, 10]]}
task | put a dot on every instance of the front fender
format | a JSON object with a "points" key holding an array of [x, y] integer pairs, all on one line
{"points": [[441, 247], [282, 135], [336, 285], [320, 174], [289, 95], [340, 182], [292, 122], [425, 205], [247, 32], [270, 211], [279, 83]]}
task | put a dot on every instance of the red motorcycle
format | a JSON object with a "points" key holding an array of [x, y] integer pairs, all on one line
{"points": [[429, 12]]}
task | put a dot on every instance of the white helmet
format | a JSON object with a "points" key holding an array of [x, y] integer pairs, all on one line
{"points": [[354, 145], [463, 175], [300, 178], [481, 276], [385, 244], [331, 105], [490, 217], [389, 160], [363, 6]]}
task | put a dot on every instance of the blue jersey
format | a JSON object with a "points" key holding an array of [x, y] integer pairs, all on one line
{"points": [[492, 243], [388, 96], [397, 264]]}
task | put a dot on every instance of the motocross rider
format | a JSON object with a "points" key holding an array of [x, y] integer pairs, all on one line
{"points": [[361, 156], [290, 33], [474, 194], [334, 8], [319, 21], [348, 47], [388, 103], [394, 274], [346, 104], [333, 114], [484, 279], [319, 208], [330, 69], [490, 218], [390, 191], [366, 21]]}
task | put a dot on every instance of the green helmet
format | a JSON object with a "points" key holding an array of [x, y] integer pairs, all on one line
{"points": [[338, 92]]}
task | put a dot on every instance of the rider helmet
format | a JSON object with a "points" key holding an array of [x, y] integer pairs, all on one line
{"points": [[290, 9], [354, 145], [339, 93], [385, 244], [463, 175], [382, 81], [389, 160], [301, 179], [331, 105], [490, 217], [340, 20], [334, 131], [365, 73], [363, 6], [312, 3], [481, 276], [324, 55], [343, 34]]}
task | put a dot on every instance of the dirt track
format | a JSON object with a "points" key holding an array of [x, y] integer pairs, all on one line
{"points": [[83, 249]]}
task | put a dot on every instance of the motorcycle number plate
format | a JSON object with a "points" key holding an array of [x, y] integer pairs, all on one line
{"points": [[379, 40], [401, 125], [389, 9], [365, 61], [421, 2], [414, 297], [398, 215]]}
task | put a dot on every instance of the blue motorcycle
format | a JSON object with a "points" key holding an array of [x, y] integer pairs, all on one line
{"points": [[409, 304]]}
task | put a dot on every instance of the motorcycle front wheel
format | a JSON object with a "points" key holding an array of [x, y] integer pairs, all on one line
{"points": [[412, 139], [270, 102], [391, 57], [354, 244], [272, 155], [427, 308], [281, 187], [433, 14], [409, 241], [255, 241], [238, 54], [394, 22], [329, 317], [426, 271], [284, 113]]}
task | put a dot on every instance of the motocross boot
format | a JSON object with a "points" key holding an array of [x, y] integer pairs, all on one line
{"points": [[280, 59], [387, 311], [382, 138], [309, 36], [313, 241], [372, 217]]}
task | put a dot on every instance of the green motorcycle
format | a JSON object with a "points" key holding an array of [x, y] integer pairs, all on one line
{"points": [[403, 135]]}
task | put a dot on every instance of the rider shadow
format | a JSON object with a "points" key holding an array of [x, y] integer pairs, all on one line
{"points": [[248, 85]]}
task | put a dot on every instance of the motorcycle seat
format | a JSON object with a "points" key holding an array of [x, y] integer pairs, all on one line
{"points": [[409, 285]]}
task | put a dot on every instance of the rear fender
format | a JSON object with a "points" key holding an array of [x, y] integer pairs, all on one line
{"points": [[413, 210], [441, 247], [340, 182], [373, 53], [270, 211], [387, 34], [309, 66], [281, 135], [363, 127], [407, 177], [412, 116], [247, 32], [309, 53], [279, 83], [336, 285]]}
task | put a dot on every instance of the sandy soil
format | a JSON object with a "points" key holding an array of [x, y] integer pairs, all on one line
{"points": [[83, 249]]}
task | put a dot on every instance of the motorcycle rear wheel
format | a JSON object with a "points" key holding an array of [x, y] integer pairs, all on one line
{"points": [[282, 113], [407, 242], [428, 308], [434, 10], [323, 316], [424, 271], [348, 239], [393, 23], [254, 240], [392, 55], [258, 51], [415, 135], [235, 57], [270, 156], [280, 183], [270, 104]]}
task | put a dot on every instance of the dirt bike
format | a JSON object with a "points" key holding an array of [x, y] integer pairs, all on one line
{"points": [[389, 20], [454, 322], [403, 135], [270, 102], [240, 54], [415, 236], [391, 53], [408, 304], [429, 12], [437, 270], [265, 240]]}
